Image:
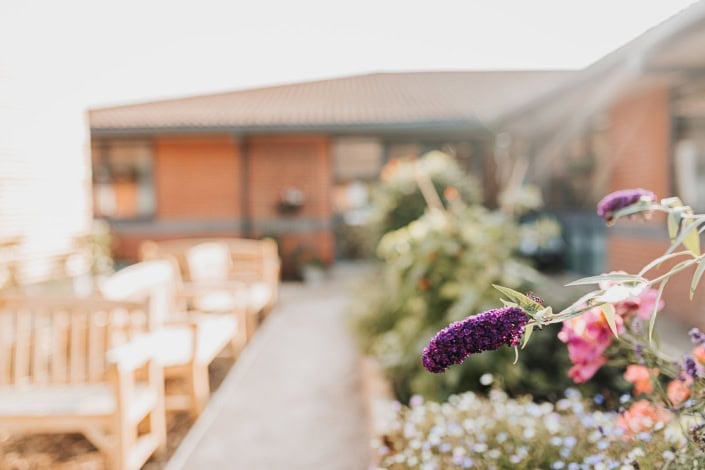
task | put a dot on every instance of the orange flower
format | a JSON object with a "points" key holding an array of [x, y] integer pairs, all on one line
{"points": [[451, 193], [699, 354], [642, 416], [640, 376], [389, 169], [678, 392]]}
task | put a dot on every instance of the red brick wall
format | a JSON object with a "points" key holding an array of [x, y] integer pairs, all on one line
{"points": [[640, 139], [641, 145], [276, 163], [197, 178]]}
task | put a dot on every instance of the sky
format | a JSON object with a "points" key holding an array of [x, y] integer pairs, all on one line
{"points": [[97, 52]]}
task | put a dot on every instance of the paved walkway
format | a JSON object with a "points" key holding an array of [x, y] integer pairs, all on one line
{"points": [[293, 399]]}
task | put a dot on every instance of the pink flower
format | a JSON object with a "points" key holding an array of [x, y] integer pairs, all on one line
{"points": [[640, 376], [647, 302], [583, 371], [639, 300], [587, 338], [699, 353], [678, 392], [642, 416]]}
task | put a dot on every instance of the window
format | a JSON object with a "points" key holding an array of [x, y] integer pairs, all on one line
{"points": [[689, 170], [123, 179]]}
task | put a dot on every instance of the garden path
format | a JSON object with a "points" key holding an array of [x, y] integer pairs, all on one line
{"points": [[294, 398]]}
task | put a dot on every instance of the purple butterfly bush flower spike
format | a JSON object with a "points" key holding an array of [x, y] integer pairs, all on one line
{"points": [[485, 331], [621, 199]]}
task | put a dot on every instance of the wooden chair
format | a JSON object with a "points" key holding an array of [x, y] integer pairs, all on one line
{"points": [[187, 342], [215, 265], [82, 365]]}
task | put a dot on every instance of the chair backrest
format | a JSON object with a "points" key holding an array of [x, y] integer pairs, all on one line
{"points": [[156, 280], [251, 260], [51, 340], [209, 261]]}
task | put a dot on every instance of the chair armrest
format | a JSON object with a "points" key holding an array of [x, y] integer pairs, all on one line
{"points": [[192, 289], [134, 354]]}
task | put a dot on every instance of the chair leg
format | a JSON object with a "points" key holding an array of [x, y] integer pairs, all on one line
{"points": [[157, 417], [238, 343], [200, 388]]}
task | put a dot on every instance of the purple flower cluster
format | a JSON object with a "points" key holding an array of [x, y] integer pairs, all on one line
{"points": [[697, 336], [689, 366], [485, 331], [621, 199]]}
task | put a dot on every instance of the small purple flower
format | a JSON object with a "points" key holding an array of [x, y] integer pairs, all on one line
{"points": [[535, 298], [690, 367], [697, 336], [621, 199], [639, 352], [486, 331]]}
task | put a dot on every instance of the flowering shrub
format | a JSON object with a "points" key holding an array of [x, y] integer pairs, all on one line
{"points": [[614, 322], [436, 270], [398, 200]]}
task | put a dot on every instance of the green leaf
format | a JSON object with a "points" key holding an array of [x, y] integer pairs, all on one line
{"points": [[524, 302], [674, 223], [696, 278], [635, 208], [692, 242], [684, 233], [516, 355], [608, 310], [652, 322], [607, 277], [672, 202], [527, 334], [661, 259]]}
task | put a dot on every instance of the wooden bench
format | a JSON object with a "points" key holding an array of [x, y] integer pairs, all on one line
{"points": [[214, 265], [187, 342], [82, 365]]}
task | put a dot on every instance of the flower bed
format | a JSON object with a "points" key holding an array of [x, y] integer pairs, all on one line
{"points": [[472, 431], [660, 424]]}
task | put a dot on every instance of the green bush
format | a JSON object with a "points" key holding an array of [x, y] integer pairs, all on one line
{"points": [[439, 269], [397, 200]]}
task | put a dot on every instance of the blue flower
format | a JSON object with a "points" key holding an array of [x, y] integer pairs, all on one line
{"points": [[593, 459]]}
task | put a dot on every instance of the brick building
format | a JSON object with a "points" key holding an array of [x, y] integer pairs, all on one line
{"points": [[635, 118], [284, 161]]}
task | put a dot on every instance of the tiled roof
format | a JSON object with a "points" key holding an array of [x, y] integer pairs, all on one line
{"points": [[394, 100]]}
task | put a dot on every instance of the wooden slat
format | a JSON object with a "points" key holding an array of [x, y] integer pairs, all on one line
{"points": [[96, 346], [40, 338], [23, 324], [59, 366], [77, 354], [6, 341]]}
